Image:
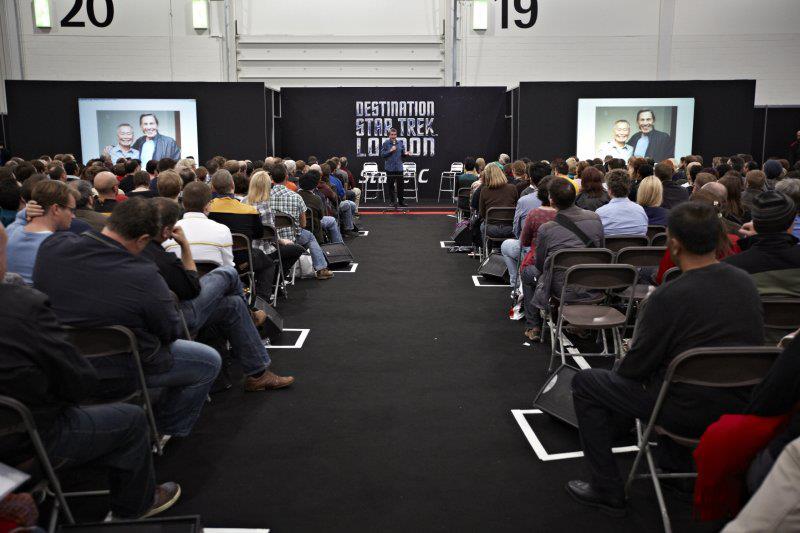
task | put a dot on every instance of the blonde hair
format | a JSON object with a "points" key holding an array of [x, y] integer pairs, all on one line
{"points": [[493, 177], [480, 164], [650, 193], [260, 184]]}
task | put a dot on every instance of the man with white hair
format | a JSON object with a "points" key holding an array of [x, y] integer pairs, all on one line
{"points": [[504, 159]]}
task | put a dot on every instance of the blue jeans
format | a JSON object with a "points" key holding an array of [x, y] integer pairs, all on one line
{"points": [[221, 302], [306, 239], [114, 436], [511, 250], [332, 227], [194, 368], [347, 210]]}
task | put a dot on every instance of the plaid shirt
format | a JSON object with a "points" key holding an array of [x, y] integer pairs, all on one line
{"points": [[289, 202]]}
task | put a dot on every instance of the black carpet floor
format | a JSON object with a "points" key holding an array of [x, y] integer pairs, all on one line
{"points": [[400, 419]]}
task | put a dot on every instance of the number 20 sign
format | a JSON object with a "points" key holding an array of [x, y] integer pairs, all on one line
{"points": [[68, 21]]}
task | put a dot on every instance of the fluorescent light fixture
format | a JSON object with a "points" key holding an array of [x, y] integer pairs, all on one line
{"points": [[480, 15], [200, 14], [41, 13]]}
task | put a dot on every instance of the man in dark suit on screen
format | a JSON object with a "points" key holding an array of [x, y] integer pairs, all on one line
{"points": [[153, 145], [648, 141]]}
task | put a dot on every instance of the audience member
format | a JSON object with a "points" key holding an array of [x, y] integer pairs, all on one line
{"points": [[141, 185], [650, 196], [314, 203], [673, 193], [107, 187], [733, 188], [621, 216], [791, 188], [168, 184], [592, 194], [496, 191], [10, 200], [756, 183], [84, 207]]}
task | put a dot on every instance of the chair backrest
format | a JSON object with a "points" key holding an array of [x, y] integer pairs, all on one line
{"points": [[568, 257], [103, 341], [601, 277], [722, 367], [241, 242], [653, 230], [19, 418], [781, 313], [500, 214], [204, 267], [457, 167], [369, 167], [615, 243], [409, 167], [671, 275], [659, 239], [283, 220], [641, 256], [463, 192]]}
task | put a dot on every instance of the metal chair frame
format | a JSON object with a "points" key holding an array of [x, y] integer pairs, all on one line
{"points": [[659, 239], [241, 243], [463, 194], [615, 243], [781, 315], [653, 230], [271, 235], [284, 220], [371, 174], [671, 275], [616, 337], [727, 361], [498, 213], [410, 173], [451, 188]]}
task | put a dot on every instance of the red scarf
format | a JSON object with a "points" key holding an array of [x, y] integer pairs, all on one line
{"points": [[723, 456]]}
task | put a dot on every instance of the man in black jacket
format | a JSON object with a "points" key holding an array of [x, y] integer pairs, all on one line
{"points": [[41, 369], [725, 310], [648, 141], [215, 300], [77, 273], [674, 194]]}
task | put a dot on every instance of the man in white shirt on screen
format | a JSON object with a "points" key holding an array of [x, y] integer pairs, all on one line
{"points": [[618, 146], [153, 145]]}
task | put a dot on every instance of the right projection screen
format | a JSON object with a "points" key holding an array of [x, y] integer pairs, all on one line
{"points": [[660, 128]]}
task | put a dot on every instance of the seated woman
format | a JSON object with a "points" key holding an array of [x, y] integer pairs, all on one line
{"points": [[592, 193], [649, 196], [496, 191]]}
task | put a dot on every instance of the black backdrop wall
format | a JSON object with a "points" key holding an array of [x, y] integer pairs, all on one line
{"points": [[454, 122], [231, 117], [548, 113]]}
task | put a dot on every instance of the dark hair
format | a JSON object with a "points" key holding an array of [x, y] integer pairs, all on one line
{"points": [[166, 163], [147, 115], [736, 163], [619, 183], [55, 172], [469, 163], [29, 184], [592, 182], [48, 193], [562, 193], [151, 166], [696, 226], [543, 192], [537, 171], [616, 163], [71, 167], [733, 184], [325, 169], [134, 218], [694, 171], [24, 171], [84, 189], [118, 169], [141, 179], [645, 170], [663, 171], [196, 196], [131, 166], [561, 167], [240, 183], [212, 166], [187, 176], [169, 212], [278, 173], [645, 111], [9, 194]]}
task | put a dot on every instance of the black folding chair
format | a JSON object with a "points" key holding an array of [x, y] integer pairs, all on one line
{"points": [[242, 246], [671, 275], [653, 230], [728, 367], [498, 216], [204, 267], [594, 316], [646, 259], [463, 209], [108, 341], [310, 224], [187, 335], [659, 239], [283, 221], [781, 317], [271, 235], [615, 243]]}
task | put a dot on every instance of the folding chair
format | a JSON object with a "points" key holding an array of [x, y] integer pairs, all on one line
{"points": [[457, 167], [108, 341], [283, 221], [187, 335], [410, 173], [271, 235], [644, 258], [653, 230], [310, 224], [370, 175], [496, 215], [594, 316], [241, 244], [463, 209], [659, 239], [615, 243], [781, 317], [728, 367], [204, 267], [560, 261], [447, 183], [26, 424]]}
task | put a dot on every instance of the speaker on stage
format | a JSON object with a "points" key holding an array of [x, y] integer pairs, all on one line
{"points": [[555, 397], [273, 327], [494, 268]]}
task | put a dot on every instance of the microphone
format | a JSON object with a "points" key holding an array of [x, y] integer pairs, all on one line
{"points": [[394, 142]]}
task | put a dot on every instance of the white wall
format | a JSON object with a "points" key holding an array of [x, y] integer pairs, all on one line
{"points": [[644, 40]]}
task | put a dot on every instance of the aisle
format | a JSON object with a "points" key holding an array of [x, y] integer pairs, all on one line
{"points": [[400, 419]]}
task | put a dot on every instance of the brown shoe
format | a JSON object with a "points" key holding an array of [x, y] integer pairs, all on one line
{"points": [[267, 380], [534, 334], [324, 274], [259, 317], [166, 496]]}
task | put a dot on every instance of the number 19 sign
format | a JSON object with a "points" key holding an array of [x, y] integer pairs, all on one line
{"points": [[532, 12]]}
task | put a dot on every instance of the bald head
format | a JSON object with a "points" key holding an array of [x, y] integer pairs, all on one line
{"points": [[717, 189], [106, 184]]}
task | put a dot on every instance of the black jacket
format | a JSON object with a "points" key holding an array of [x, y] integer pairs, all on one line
{"points": [[315, 205], [38, 366], [674, 194], [184, 283], [92, 280], [165, 147], [662, 145]]}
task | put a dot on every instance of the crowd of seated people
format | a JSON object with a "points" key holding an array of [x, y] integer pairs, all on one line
{"points": [[152, 250], [732, 229]]}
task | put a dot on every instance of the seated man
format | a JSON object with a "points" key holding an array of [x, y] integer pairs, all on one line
{"points": [[620, 216], [71, 270], [84, 208], [24, 238], [308, 186], [510, 248], [42, 370], [288, 202], [726, 311], [107, 187], [168, 184], [347, 208], [216, 299], [210, 241], [540, 282]]}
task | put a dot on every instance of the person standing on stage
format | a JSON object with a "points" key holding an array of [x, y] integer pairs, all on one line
{"points": [[393, 152]]}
